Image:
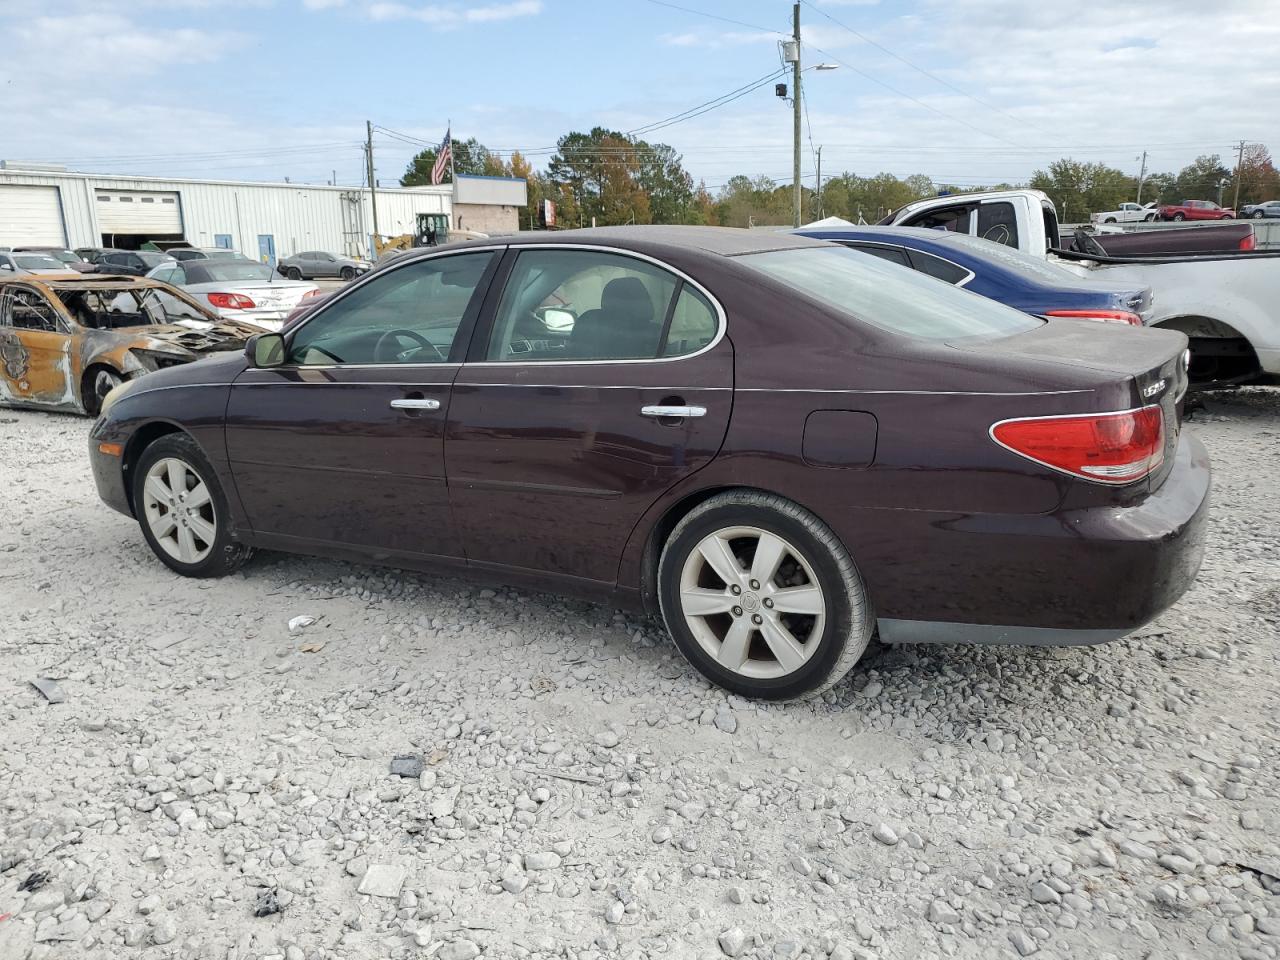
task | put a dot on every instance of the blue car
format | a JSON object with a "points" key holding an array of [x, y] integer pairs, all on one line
{"points": [[1001, 273]]}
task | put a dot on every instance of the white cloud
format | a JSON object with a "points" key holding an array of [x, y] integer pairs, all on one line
{"points": [[437, 15]]}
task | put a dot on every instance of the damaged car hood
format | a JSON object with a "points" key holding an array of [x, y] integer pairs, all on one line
{"points": [[197, 336]]}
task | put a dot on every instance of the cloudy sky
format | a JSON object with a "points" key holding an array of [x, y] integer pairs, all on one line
{"points": [[965, 91]]}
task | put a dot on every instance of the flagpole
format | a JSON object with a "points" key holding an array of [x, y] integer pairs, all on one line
{"points": [[453, 179]]}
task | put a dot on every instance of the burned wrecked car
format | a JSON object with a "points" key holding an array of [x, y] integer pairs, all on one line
{"points": [[66, 342]]}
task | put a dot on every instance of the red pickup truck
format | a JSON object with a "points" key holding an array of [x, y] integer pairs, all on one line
{"points": [[1194, 210]]}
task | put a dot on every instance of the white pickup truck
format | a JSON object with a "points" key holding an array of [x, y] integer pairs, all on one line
{"points": [[1126, 213], [1228, 304]]}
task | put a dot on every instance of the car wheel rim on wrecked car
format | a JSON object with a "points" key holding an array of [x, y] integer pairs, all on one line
{"points": [[179, 510], [753, 602]]}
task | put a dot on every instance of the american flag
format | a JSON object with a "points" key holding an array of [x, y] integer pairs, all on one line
{"points": [[443, 156]]}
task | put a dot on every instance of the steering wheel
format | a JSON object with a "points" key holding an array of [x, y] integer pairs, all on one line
{"points": [[392, 335], [1086, 244], [999, 233]]}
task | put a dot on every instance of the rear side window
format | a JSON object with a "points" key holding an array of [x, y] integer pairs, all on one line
{"points": [[938, 268], [957, 219], [999, 223], [693, 324], [900, 301]]}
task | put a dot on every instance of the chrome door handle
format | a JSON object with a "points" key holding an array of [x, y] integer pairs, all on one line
{"points": [[413, 404], [661, 411]]}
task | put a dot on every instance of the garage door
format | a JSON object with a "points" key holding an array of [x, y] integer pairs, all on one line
{"points": [[30, 216], [138, 211]]}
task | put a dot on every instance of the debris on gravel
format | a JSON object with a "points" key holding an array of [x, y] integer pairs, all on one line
{"points": [[564, 786]]}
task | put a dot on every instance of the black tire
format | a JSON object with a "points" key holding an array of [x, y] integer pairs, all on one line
{"points": [[224, 555], [348, 273], [1178, 217], [292, 273], [98, 382], [1109, 220], [1258, 214], [1149, 218], [847, 624]]}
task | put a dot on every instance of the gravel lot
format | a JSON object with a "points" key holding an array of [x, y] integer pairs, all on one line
{"points": [[584, 793]]}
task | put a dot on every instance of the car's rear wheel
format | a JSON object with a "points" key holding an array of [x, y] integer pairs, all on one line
{"points": [[1109, 220], [348, 273], [762, 598], [293, 273], [1178, 217], [183, 511]]}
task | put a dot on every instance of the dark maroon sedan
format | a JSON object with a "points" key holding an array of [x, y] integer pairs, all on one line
{"points": [[778, 444]]}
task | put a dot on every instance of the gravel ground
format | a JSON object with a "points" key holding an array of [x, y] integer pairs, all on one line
{"points": [[583, 793]]}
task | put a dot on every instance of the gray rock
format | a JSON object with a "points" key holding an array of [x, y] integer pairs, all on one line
{"points": [[885, 834], [383, 880], [459, 950], [942, 912], [1043, 893], [545, 860], [613, 913], [515, 883], [163, 931], [1023, 942], [733, 942]]}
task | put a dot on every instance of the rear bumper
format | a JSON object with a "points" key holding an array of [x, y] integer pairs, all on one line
{"points": [[1074, 577]]}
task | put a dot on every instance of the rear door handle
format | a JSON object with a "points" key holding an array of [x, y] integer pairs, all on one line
{"points": [[409, 403], [672, 411]]}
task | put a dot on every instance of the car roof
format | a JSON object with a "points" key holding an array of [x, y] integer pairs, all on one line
{"points": [[721, 241]]}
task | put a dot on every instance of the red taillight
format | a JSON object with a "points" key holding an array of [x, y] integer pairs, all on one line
{"points": [[1106, 316], [1249, 243], [1105, 447], [310, 293], [231, 301]]}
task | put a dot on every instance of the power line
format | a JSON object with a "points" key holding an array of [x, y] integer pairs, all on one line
{"points": [[714, 16], [919, 69], [707, 106]]}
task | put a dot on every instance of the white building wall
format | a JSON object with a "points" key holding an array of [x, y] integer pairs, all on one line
{"points": [[299, 216]]}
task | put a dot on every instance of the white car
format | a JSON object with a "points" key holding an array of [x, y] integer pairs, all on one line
{"points": [[238, 289], [1128, 213], [15, 264]]}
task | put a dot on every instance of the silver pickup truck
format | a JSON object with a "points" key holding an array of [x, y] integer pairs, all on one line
{"points": [[1228, 304]]}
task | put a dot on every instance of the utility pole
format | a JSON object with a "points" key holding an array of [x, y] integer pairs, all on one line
{"points": [[821, 209], [1142, 176], [373, 186], [1235, 204], [795, 133]]}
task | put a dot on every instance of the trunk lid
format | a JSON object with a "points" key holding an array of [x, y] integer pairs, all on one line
{"points": [[1111, 367]]}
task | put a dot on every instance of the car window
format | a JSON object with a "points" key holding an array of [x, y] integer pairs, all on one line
{"points": [[582, 305], [998, 222], [410, 314], [955, 219], [27, 310], [229, 271], [938, 268], [891, 254], [878, 293], [693, 324], [36, 261], [171, 274]]}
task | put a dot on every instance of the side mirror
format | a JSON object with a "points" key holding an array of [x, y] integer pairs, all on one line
{"points": [[265, 350]]}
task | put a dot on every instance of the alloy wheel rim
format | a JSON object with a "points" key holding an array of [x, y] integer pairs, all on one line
{"points": [[179, 510], [752, 602]]}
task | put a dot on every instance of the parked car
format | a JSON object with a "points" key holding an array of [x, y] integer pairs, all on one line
{"points": [[1270, 208], [206, 253], [238, 289], [1127, 213], [66, 342], [1224, 302], [316, 263], [16, 264], [779, 445], [92, 254], [1005, 275], [1195, 210], [68, 258], [129, 263]]}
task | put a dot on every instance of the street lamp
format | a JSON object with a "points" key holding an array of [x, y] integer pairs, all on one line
{"points": [[791, 55]]}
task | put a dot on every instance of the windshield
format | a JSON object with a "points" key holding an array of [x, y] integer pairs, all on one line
{"points": [[889, 296], [36, 261], [111, 308], [65, 256], [1016, 260], [225, 270]]}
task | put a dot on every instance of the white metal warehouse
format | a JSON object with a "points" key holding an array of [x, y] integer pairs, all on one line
{"points": [[51, 206]]}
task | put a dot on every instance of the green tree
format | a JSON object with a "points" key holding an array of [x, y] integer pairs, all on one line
{"points": [[602, 170], [1259, 179], [1078, 189], [663, 177], [1199, 180], [469, 157]]}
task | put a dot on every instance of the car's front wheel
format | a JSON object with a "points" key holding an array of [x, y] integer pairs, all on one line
{"points": [[1258, 214], [183, 511], [348, 273], [762, 598]]}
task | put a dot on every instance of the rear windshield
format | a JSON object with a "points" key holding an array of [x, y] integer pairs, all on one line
{"points": [[888, 296], [36, 261], [153, 259], [1016, 260], [224, 271]]}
